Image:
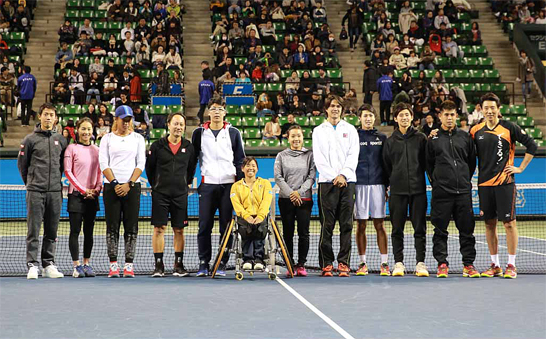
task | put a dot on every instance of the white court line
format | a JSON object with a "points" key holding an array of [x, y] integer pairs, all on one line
{"points": [[315, 310], [484, 243], [533, 238]]}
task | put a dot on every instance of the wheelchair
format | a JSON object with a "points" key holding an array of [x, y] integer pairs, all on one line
{"points": [[273, 244]]}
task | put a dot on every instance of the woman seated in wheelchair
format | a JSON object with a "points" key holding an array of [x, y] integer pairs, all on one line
{"points": [[251, 198]]}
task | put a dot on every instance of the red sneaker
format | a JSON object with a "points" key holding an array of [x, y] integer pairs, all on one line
{"points": [[301, 272], [128, 271], [343, 270], [327, 271], [470, 272], [114, 270], [443, 271], [493, 271], [511, 272]]}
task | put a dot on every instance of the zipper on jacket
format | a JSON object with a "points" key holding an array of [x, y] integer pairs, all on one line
{"points": [[407, 162], [454, 160], [49, 167]]}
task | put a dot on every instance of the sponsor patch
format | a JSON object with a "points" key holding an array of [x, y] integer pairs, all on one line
{"points": [[21, 153], [345, 135], [232, 195], [56, 143], [183, 150]]}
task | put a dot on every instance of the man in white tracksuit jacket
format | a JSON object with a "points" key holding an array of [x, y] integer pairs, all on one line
{"points": [[336, 147]]}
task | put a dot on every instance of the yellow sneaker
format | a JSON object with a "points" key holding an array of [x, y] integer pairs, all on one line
{"points": [[421, 270], [362, 269], [399, 270]]}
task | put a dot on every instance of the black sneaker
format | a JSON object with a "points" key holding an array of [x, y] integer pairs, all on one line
{"points": [[159, 270], [180, 271]]}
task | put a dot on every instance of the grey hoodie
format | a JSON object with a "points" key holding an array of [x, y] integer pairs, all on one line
{"points": [[295, 171], [40, 160]]}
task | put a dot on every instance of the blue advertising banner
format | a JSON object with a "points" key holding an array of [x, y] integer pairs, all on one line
{"points": [[237, 89]]}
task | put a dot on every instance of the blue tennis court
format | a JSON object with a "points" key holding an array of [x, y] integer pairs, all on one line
{"points": [[355, 307]]}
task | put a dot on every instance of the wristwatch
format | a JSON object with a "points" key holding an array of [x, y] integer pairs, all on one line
{"points": [[114, 182], [131, 184]]}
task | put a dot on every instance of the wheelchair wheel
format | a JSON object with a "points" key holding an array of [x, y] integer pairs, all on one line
{"points": [[272, 276], [239, 276]]}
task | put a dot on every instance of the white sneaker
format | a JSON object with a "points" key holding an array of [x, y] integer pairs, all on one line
{"points": [[51, 272], [247, 266], [421, 270], [33, 272], [399, 270], [258, 266]]}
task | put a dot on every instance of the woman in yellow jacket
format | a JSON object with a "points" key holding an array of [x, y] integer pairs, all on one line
{"points": [[251, 198]]}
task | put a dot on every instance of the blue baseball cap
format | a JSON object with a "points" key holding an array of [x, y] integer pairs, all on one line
{"points": [[124, 111]]}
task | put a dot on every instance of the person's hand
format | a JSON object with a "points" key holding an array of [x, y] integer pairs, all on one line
{"points": [[340, 181], [250, 220], [122, 189], [433, 133], [258, 220], [512, 170], [89, 194], [295, 198]]}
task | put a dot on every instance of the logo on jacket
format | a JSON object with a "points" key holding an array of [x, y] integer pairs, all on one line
{"points": [[345, 135], [56, 143], [183, 150]]}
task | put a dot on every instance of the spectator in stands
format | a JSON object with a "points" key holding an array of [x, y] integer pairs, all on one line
{"points": [[297, 107], [110, 66], [105, 115], [91, 114], [398, 60], [406, 83], [476, 34], [173, 59], [158, 56], [385, 31], [406, 46], [128, 46], [526, 73], [135, 92], [264, 105], [124, 83], [267, 34], [351, 102], [8, 10], [272, 129], [279, 106], [292, 83], [355, 19], [157, 29], [416, 34], [476, 116], [98, 45], [123, 100], [441, 18], [128, 65], [427, 58], [7, 83], [430, 124], [413, 60], [128, 28], [272, 73], [112, 48], [143, 57], [130, 12], [451, 49], [329, 47], [541, 18], [63, 57], [82, 46], [21, 21], [94, 87], [145, 11], [464, 124], [78, 66], [323, 82], [206, 91], [221, 26], [315, 105], [76, 87], [110, 85], [307, 84], [438, 81], [87, 28], [162, 80], [369, 83], [286, 126], [525, 15], [286, 61], [141, 122], [378, 44], [391, 44], [252, 40], [26, 85], [317, 58], [385, 68], [60, 88], [420, 97], [116, 12], [4, 25], [257, 73], [142, 30], [384, 87]]}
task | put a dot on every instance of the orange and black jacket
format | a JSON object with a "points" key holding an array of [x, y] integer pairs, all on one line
{"points": [[496, 149]]}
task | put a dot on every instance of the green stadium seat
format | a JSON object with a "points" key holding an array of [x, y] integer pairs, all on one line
{"points": [[159, 110], [239, 60], [511, 119], [15, 37], [315, 121], [72, 15], [486, 63], [232, 109], [249, 121], [279, 26], [248, 109], [463, 17], [158, 133], [518, 110], [470, 107], [253, 142], [492, 75], [72, 4], [449, 75], [315, 73], [483, 88], [307, 132], [469, 89], [465, 27], [504, 110], [413, 72], [470, 63], [462, 75], [476, 75], [429, 73], [101, 15], [308, 143], [283, 120], [441, 62], [352, 119], [259, 87], [73, 109], [274, 87], [252, 133], [115, 26], [334, 75], [480, 51], [302, 121], [498, 88], [468, 50], [534, 133], [234, 120], [284, 142], [88, 4], [271, 143], [541, 143], [286, 73], [268, 48], [87, 14], [176, 109], [525, 122]]}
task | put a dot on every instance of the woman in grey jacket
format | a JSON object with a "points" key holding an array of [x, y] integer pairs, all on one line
{"points": [[295, 174]]}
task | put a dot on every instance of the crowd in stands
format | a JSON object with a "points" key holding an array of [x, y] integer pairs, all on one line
{"points": [[138, 40], [264, 42], [520, 11]]}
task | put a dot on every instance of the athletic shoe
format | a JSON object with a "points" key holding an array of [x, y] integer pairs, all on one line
{"points": [[470, 272], [493, 271], [511, 272], [78, 272], [114, 270], [421, 270], [300, 271], [443, 271], [221, 271], [362, 269], [247, 266], [88, 270], [180, 271], [343, 270], [259, 266], [399, 270], [203, 270], [51, 272], [33, 272], [327, 271], [385, 270], [128, 270], [159, 270]]}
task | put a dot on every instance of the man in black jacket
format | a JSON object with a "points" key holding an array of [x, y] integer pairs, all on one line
{"points": [[404, 161], [369, 85], [451, 162], [170, 168], [40, 164]]}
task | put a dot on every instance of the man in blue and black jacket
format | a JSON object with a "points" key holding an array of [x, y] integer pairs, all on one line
{"points": [[26, 85], [384, 86], [370, 192]]}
